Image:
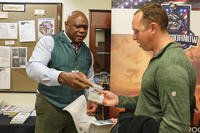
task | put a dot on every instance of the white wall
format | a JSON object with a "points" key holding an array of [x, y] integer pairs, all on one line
{"points": [[19, 99], [28, 99]]}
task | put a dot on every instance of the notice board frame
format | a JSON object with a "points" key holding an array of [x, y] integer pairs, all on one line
{"points": [[20, 82]]}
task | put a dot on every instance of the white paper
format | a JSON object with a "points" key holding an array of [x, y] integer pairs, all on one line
{"points": [[23, 109], [94, 95], [46, 26], [8, 30], [39, 12], [19, 57], [20, 118], [5, 56], [27, 31], [9, 42], [83, 122], [33, 113], [102, 128], [3, 14], [78, 111], [4, 78], [103, 122]]}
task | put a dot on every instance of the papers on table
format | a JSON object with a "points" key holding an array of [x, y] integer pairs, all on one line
{"points": [[13, 110], [6, 109], [20, 118], [19, 114]]}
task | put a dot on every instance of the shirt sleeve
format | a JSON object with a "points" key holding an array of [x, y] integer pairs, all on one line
{"points": [[37, 65], [173, 90], [91, 70], [90, 74], [127, 102]]}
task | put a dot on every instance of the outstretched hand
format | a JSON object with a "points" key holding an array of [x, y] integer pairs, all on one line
{"points": [[110, 99], [76, 80]]}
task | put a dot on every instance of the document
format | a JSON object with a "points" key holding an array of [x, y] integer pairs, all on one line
{"points": [[8, 30], [5, 67], [78, 111], [20, 118], [19, 57], [5, 78], [27, 31], [5, 56]]}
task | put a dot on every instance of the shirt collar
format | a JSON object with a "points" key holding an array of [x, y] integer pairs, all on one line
{"points": [[74, 45], [168, 46]]}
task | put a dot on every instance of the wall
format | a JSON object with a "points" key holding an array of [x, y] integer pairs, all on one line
{"points": [[28, 99]]}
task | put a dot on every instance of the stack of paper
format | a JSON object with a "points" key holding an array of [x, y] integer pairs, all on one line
{"points": [[20, 118], [103, 122]]}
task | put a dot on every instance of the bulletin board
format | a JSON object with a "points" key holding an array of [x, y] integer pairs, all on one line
{"points": [[20, 82]]}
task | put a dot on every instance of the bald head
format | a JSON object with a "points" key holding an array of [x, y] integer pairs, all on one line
{"points": [[76, 27], [75, 14]]}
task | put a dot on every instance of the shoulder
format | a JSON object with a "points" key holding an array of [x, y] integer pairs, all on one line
{"points": [[46, 39], [85, 46], [46, 42]]}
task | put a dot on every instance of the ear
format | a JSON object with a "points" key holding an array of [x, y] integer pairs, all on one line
{"points": [[154, 28], [66, 23]]}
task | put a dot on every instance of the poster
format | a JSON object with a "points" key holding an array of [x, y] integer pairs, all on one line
{"points": [[19, 57], [46, 26]]}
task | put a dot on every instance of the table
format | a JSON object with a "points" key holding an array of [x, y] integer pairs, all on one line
{"points": [[6, 127]]}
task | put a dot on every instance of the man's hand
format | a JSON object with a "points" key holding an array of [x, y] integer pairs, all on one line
{"points": [[110, 99], [76, 80], [91, 108]]}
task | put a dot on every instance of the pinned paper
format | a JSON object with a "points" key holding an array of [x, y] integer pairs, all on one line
{"points": [[39, 12]]}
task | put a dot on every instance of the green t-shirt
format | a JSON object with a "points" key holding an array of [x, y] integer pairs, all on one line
{"points": [[167, 90]]}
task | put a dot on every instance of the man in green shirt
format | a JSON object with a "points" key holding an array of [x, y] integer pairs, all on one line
{"points": [[168, 84]]}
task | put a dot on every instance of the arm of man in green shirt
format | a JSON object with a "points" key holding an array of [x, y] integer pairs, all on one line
{"points": [[174, 94], [127, 102]]}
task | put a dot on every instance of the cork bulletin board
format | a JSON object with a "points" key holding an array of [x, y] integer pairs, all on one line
{"points": [[30, 12]]}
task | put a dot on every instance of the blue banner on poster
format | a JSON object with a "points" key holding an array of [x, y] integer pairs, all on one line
{"points": [[179, 25]]}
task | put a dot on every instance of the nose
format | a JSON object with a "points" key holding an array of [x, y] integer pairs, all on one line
{"points": [[83, 30], [134, 36]]}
